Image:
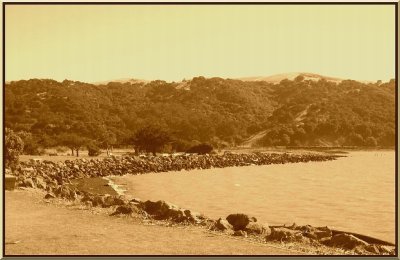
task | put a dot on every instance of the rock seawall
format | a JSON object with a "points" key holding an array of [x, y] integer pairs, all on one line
{"points": [[56, 178]]}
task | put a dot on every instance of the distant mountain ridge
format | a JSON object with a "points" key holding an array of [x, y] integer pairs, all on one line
{"points": [[125, 80], [276, 78], [291, 76]]}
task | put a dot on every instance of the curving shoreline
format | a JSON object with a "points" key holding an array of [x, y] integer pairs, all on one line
{"points": [[56, 179]]}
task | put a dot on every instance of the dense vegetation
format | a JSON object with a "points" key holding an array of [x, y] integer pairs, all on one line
{"points": [[47, 113]]}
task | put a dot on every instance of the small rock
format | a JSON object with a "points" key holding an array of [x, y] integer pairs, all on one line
{"points": [[98, 201], [49, 196], [384, 249], [40, 183], [28, 182], [285, 234], [320, 234], [125, 209], [193, 216], [135, 200], [306, 229], [240, 233], [112, 201], [372, 249]]}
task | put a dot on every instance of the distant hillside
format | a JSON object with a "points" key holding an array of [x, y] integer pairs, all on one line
{"points": [[219, 111], [291, 76], [127, 80]]}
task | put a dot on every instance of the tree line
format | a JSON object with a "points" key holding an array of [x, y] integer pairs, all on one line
{"points": [[220, 112]]}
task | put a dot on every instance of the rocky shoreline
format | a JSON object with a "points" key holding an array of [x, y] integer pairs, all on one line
{"points": [[56, 179]]}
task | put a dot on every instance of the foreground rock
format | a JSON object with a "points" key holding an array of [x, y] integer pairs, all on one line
{"points": [[240, 221]]}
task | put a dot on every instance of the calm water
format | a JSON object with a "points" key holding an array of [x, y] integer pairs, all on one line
{"points": [[356, 193]]}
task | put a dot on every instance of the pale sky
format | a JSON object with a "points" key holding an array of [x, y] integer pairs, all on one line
{"points": [[171, 42]]}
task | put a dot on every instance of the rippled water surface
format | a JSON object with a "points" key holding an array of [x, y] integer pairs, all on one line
{"points": [[355, 193]]}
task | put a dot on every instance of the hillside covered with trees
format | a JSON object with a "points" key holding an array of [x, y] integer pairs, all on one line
{"points": [[221, 112]]}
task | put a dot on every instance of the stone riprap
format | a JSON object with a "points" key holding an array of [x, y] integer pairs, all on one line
{"points": [[47, 173], [56, 178]]}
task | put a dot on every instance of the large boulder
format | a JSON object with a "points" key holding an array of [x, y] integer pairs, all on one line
{"points": [[222, 225], [257, 228], [163, 210], [239, 221], [285, 234], [346, 241]]}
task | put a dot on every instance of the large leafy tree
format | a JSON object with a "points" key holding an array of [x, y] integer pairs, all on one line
{"points": [[73, 142], [151, 139]]}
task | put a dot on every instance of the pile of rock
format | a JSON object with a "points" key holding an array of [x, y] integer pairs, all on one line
{"points": [[241, 225], [327, 237], [41, 174]]}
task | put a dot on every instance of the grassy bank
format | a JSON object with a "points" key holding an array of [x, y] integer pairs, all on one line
{"points": [[38, 227]]}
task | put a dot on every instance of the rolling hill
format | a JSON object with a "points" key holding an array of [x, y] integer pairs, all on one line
{"points": [[299, 111]]}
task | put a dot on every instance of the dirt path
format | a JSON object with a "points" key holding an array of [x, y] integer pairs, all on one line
{"points": [[34, 227]]}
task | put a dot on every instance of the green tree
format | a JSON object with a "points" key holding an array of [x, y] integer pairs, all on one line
{"points": [[151, 139], [13, 148]]}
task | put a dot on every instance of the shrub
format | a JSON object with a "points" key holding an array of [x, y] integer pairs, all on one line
{"points": [[13, 148], [200, 149], [93, 150]]}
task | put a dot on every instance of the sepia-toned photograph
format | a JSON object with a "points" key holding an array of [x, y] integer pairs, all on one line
{"points": [[203, 129]]}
